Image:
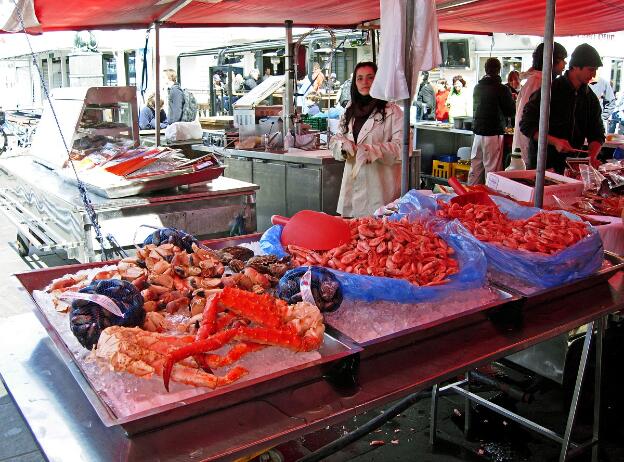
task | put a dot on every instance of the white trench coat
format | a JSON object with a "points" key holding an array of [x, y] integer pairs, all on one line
{"points": [[373, 177]]}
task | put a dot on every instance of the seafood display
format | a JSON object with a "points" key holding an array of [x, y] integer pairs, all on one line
{"points": [[243, 319], [323, 286], [180, 306], [546, 233], [397, 249], [87, 319]]}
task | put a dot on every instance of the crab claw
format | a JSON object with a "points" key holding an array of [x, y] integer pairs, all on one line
{"points": [[211, 343]]}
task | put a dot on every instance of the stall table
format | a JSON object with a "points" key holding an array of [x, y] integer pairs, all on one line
{"points": [[63, 422]]}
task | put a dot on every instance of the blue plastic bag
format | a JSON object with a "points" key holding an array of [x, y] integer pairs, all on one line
{"points": [[472, 273], [577, 261]]}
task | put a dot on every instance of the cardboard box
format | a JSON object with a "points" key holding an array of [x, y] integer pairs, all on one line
{"points": [[504, 182]]}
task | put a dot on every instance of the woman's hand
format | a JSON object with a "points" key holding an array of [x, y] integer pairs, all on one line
{"points": [[349, 147]]}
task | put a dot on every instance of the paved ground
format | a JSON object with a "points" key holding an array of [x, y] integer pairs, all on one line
{"points": [[404, 439]]}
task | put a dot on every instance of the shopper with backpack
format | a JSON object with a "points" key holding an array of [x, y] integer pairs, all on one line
{"points": [[182, 106]]}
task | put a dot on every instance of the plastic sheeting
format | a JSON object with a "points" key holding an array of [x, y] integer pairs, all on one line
{"points": [[577, 261], [574, 17], [391, 82], [472, 272]]}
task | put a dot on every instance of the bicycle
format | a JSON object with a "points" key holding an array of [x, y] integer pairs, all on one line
{"points": [[22, 133]]}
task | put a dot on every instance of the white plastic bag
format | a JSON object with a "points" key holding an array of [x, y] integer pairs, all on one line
{"points": [[181, 131]]}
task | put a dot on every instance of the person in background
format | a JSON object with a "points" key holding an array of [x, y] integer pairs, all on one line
{"points": [[312, 101], [238, 83], [459, 101], [147, 116], [493, 104], [175, 96], [369, 141], [533, 83], [252, 80], [441, 112], [604, 92], [318, 78], [425, 100], [513, 83], [575, 113], [267, 74], [617, 117], [345, 92]]}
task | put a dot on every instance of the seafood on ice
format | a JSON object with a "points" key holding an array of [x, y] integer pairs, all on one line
{"points": [[379, 247], [243, 319], [543, 232]]}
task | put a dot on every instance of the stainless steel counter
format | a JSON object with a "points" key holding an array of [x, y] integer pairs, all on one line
{"points": [[316, 157], [49, 214], [66, 426], [426, 126], [289, 182]]}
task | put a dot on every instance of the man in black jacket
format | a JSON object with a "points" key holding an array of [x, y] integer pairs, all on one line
{"points": [[575, 113], [492, 103], [425, 100]]}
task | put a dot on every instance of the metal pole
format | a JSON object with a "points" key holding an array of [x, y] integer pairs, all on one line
{"points": [[288, 91], [374, 44], [407, 104], [542, 141], [157, 79]]}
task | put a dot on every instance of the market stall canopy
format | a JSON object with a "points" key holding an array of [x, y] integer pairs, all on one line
{"points": [[573, 17]]}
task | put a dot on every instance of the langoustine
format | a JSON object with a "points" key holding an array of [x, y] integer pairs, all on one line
{"points": [[398, 249], [543, 232]]}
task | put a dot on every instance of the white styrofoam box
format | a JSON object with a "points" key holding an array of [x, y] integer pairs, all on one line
{"points": [[504, 182]]}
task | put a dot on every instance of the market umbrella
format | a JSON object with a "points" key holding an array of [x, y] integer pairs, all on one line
{"points": [[410, 44]]}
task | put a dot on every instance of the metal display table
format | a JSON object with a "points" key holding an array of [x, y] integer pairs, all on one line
{"points": [[49, 213], [64, 423], [290, 182]]}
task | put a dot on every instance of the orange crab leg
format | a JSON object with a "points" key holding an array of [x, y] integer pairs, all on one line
{"points": [[278, 337], [208, 344], [235, 353], [209, 319]]}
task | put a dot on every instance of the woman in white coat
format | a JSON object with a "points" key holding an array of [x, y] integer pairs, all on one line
{"points": [[369, 142]]}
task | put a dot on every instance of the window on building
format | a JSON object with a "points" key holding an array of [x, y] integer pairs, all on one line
{"points": [[109, 66], [130, 57], [617, 69]]}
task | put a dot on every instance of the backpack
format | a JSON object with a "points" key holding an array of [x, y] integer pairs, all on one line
{"points": [[189, 108]]}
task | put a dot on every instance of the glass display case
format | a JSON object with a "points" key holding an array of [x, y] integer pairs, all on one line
{"points": [[77, 122]]}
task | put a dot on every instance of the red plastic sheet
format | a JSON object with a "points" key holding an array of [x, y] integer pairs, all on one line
{"points": [[573, 17]]}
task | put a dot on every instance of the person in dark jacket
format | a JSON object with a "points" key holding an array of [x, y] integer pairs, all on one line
{"points": [[425, 100], [492, 104], [575, 113]]}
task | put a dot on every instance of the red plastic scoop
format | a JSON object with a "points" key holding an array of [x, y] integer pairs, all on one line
{"points": [[465, 197], [313, 230]]}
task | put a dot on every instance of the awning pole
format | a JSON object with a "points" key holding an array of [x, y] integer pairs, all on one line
{"points": [[157, 79], [407, 104], [542, 141], [288, 90]]}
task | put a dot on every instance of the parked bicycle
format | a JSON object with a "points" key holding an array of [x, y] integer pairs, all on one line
{"points": [[21, 133]]}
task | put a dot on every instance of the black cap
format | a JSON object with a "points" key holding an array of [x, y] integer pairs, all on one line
{"points": [[585, 55]]}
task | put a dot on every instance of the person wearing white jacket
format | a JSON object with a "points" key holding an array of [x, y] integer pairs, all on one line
{"points": [[533, 84], [369, 142]]}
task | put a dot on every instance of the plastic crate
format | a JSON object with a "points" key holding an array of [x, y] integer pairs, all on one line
{"points": [[316, 123], [441, 169], [450, 158], [460, 170]]}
